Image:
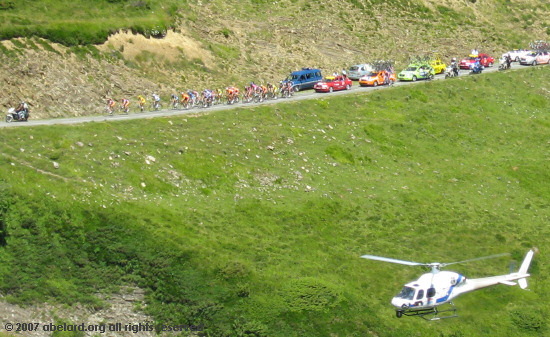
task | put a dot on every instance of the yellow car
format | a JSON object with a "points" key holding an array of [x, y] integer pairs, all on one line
{"points": [[438, 65]]}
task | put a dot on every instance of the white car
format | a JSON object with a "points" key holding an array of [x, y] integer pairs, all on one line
{"points": [[534, 58], [517, 54], [359, 70]]}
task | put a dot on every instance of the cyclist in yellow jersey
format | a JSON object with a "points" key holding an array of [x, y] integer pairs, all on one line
{"points": [[141, 100]]}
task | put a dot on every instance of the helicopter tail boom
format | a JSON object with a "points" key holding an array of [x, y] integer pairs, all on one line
{"points": [[520, 277]]}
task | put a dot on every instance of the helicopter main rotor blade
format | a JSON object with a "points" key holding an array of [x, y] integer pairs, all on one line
{"points": [[475, 259], [387, 259]]}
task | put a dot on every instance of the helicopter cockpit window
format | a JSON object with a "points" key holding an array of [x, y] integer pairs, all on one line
{"points": [[420, 294], [431, 292], [406, 293]]}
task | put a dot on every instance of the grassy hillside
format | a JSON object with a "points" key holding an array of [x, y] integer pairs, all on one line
{"points": [[252, 221], [84, 22]]}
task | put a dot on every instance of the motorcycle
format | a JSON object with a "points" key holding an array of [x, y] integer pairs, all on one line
{"points": [[20, 116], [503, 64], [476, 69], [451, 72]]}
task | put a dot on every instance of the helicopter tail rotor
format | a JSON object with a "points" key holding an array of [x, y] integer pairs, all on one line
{"points": [[524, 268]]}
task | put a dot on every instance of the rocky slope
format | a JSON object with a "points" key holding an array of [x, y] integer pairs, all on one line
{"points": [[219, 43]]}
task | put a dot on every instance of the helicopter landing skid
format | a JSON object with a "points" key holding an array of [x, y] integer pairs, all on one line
{"points": [[433, 313]]}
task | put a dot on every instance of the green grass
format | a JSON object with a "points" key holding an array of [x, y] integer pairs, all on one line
{"points": [[252, 221], [85, 22]]}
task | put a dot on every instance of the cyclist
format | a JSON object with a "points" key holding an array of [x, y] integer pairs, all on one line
{"points": [[125, 105], [247, 94], [110, 106], [175, 100], [156, 101], [232, 93], [208, 97], [219, 95], [185, 99], [289, 86], [194, 96], [254, 87], [141, 101], [263, 89], [229, 91]]}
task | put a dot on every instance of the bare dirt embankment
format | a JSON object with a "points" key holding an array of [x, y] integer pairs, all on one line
{"points": [[125, 308]]}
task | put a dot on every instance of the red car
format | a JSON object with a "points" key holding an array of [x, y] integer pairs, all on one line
{"points": [[331, 83], [484, 59]]}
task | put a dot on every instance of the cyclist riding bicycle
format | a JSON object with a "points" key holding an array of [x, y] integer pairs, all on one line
{"points": [[254, 87], [156, 101], [184, 97], [125, 105], [194, 96], [289, 86], [174, 99], [232, 93], [219, 94], [208, 97], [141, 101], [110, 106]]}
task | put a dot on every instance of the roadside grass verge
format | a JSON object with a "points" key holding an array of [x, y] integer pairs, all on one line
{"points": [[252, 220]]}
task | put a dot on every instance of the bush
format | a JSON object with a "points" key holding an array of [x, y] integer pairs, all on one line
{"points": [[310, 294], [528, 319], [5, 5], [245, 328]]}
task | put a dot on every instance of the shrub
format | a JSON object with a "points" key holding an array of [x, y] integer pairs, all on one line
{"points": [[5, 5], [528, 319], [245, 328], [310, 294]]}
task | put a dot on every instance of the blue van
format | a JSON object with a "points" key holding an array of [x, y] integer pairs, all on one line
{"points": [[304, 79]]}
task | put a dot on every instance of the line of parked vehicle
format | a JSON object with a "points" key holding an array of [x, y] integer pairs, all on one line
{"points": [[424, 68]]}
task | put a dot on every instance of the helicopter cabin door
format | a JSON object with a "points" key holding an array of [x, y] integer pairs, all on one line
{"points": [[419, 298]]}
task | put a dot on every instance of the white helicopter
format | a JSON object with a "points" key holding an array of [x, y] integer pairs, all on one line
{"points": [[423, 296]]}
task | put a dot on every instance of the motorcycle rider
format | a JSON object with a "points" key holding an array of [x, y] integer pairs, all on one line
{"points": [[476, 67], [508, 60], [454, 66], [22, 110]]}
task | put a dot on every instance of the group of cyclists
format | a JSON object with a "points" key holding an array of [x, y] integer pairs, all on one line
{"points": [[191, 98]]}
